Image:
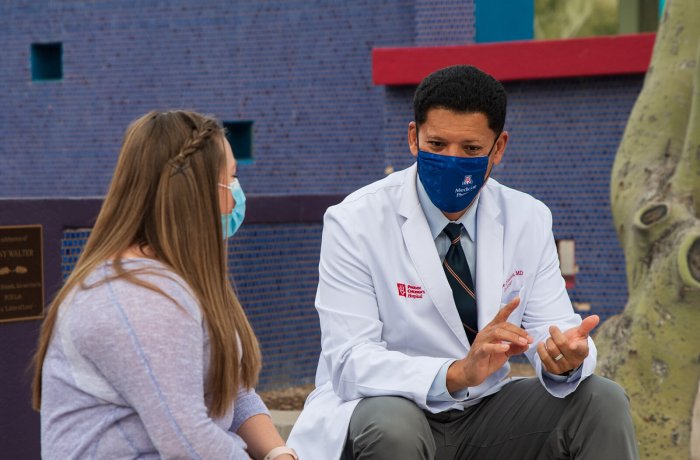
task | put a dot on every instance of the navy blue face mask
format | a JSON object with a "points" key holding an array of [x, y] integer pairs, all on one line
{"points": [[452, 183]]}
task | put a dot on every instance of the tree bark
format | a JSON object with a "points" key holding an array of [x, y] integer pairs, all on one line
{"points": [[653, 348]]}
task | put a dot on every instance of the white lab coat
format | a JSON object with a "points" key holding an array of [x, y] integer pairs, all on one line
{"points": [[379, 338]]}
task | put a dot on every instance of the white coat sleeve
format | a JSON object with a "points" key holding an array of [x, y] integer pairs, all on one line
{"points": [[548, 304], [358, 359]]}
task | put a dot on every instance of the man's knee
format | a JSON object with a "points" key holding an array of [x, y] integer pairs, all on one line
{"points": [[599, 423], [605, 397], [390, 427]]}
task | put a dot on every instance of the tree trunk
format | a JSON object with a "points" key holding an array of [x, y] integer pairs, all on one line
{"points": [[653, 348]]}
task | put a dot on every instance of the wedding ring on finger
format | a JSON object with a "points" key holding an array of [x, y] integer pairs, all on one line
{"points": [[555, 358]]}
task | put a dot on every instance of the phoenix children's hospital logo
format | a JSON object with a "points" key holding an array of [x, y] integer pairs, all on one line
{"points": [[402, 289], [410, 291]]}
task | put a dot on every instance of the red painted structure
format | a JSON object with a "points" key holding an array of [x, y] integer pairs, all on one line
{"points": [[519, 60]]}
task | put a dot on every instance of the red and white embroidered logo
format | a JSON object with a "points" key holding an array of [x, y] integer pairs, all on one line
{"points": [[402, 289], [410, 291], [467, 180]]}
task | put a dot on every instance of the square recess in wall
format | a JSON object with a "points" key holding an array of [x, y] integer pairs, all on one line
{"points": [[47, 61], [240, 136]]}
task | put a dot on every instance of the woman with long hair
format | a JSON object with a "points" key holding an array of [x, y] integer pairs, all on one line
{"points": [[146, 352]]}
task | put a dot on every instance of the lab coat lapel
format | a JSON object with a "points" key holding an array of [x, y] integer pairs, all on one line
{"points": [[489, 257], [421, 249]]}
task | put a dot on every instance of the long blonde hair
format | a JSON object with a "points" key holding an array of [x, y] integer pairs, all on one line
{"points": [[164, 196]]}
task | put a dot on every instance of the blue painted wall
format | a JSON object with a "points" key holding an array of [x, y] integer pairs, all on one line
{"points": [[301, 70], [274, 269], [444, 22]]}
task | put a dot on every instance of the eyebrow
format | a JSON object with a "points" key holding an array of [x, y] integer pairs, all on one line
{"points": [[434, 137]]}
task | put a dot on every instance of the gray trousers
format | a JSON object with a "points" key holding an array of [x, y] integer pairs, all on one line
{"points": [[522, 421]]}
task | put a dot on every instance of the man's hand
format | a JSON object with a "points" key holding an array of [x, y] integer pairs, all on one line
{"points": [[492, 347], [565, 351]]}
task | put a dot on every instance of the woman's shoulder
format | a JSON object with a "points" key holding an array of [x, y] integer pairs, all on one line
{"points": [[153, 272], [148, 299], [134, 285]]}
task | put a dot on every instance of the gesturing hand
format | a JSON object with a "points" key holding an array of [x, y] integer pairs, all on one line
{"points": [[565, 351], [492, 347]]}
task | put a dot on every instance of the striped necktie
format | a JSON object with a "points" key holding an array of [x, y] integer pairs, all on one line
{"points": [[460, 279]]}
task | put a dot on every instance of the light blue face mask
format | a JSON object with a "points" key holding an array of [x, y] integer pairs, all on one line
{"points": [[230, 223]]}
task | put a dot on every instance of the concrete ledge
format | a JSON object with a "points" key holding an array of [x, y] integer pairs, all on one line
{"points": [[284, 421]]}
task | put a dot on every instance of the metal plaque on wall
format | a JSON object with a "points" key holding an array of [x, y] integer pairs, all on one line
{"points": [[21, 273]]}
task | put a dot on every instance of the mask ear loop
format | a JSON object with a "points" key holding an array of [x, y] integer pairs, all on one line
{"points": [[488, 173]]}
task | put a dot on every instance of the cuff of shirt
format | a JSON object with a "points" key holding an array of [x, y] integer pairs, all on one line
{"points": [[438, 390], [573, 377]]}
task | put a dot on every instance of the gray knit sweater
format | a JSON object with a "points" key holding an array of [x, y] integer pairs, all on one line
{"points": [[124, 375]]}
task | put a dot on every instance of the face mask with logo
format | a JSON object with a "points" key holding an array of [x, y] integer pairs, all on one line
{"points": [[230, 223], [452, 183]]}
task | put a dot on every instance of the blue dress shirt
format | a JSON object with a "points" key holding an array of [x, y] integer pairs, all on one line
{"points": [[437, 222]]}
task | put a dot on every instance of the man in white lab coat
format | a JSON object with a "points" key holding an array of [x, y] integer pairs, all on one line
{"points": [[430, 279]]}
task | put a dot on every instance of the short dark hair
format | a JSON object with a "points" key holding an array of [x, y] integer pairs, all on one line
{"points": [[464, 89]]}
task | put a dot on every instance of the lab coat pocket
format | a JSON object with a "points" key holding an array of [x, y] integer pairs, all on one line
{"points": [[512, 290]]}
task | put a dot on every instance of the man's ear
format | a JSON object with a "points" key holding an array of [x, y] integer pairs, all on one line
{"points": [[413, 138], [500, 148]]}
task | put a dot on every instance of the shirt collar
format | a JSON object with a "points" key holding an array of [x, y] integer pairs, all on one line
{"points": [[437, 220]]}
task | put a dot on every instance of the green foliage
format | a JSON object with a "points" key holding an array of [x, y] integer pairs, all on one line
{"points": [[575, 18]]}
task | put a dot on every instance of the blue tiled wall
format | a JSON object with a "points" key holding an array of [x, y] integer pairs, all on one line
{"points": [[275, 271], [444, 22], [72, 245], [564, 136], [398, 113], [300, 70]]}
